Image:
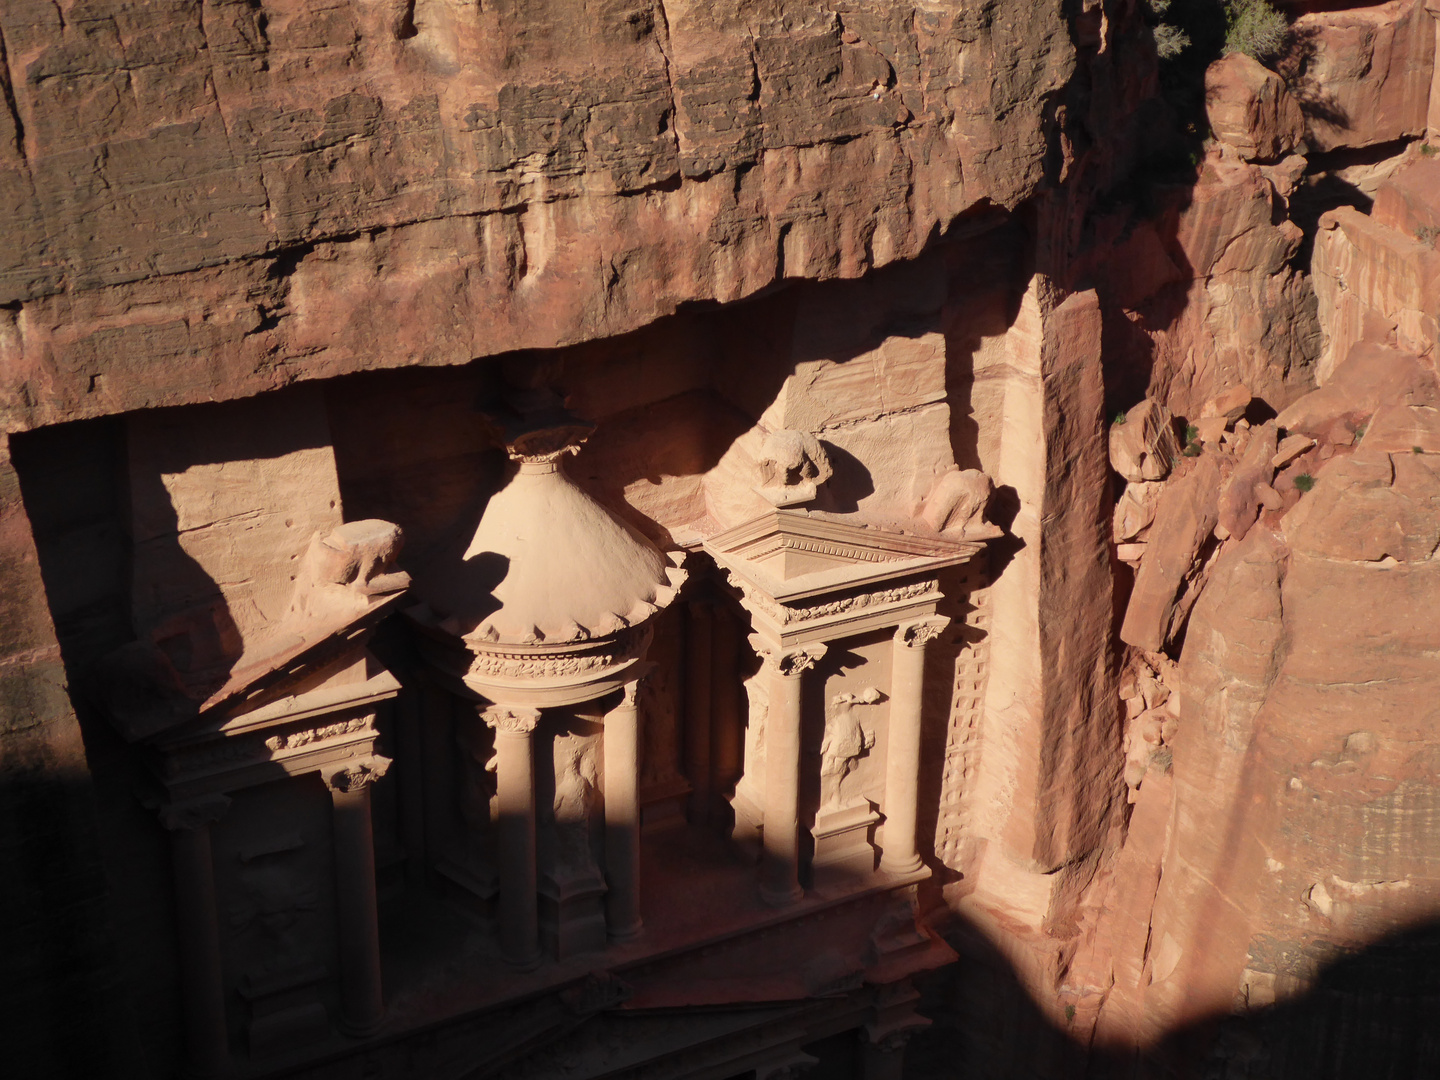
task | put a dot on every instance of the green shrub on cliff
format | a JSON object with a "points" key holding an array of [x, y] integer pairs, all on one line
{"points": [[1254, 28], [1169, 38]]}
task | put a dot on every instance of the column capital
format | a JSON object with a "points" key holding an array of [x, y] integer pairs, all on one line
{"points": [[892, 1042], [630, 691], [194, 813], [789, 662], [355, 774], [511, 719], [918, 634]]}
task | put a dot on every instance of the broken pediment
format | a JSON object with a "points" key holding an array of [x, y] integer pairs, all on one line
{"points": [[347, 583]]}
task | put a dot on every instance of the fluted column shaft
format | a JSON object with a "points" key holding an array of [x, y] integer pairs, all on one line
{"points": [[202, 984], [362, 1001], [622, 816], [515, 793], [780, 858], [902, 751]]}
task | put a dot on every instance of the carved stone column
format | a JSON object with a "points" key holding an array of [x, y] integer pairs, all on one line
{"points": [[515, 793], [699, 674], [902, 752], [885, 1059], [362, 1003], [622, 816], [207, 1039], [780, 857], [727, 730]]}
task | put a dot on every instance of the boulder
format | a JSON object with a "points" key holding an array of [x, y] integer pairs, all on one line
{"points": [[1249, 486], [1135, 511], [1409, 200], [1229, 404], [1184, 520], [1370, 376], [1250, 109], [1363, 75], [1144, 447], [1370, 506]]}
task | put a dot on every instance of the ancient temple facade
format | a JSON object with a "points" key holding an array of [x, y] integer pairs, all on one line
{"points": [[563, 766]]}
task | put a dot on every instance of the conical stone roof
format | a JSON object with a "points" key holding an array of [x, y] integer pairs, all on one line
{"points": [[567, 568]]}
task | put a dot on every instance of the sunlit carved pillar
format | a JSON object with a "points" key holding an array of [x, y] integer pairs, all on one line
{"points": [[362, 1002], [780, 858], [201, 975], [515, 793], [902, 751], [698, 705], [622, 816]]}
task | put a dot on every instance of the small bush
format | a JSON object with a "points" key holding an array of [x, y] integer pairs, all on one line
{"points": [[1119, 418], [1170, 41], [1304, 482], [1360, 432], [1254, 28], [1429, 149], [1417, 450], [1427, 234]]}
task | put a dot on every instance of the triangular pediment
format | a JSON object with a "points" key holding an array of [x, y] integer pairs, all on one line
{"points": [[786, 550]]}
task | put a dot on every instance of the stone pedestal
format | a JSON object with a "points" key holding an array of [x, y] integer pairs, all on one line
{"points": [[844, 854], [572, 913], [285, 1012]]}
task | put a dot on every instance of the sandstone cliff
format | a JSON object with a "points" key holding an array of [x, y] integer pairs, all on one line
{"points": [[1181, 755]]}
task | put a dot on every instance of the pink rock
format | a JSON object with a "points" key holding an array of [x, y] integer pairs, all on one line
{"points": [[1370, 506], [1229, 404], [1250, 109], [1409, 201], [1183, 522], [1365, 74], [1372, 374], [1249, 486], [1290, 448], [1144, 447]]}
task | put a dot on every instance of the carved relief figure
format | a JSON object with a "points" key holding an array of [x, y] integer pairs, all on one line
{"points": [[757, 692], [846, 741], [271, 913], [570, 822], [957, 502]]}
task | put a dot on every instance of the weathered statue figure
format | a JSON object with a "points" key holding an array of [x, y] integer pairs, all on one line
{"points": [[571, 817], [846, 741], [793, 465]]}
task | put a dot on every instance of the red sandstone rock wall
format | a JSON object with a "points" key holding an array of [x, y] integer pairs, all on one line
{"points": [[208, 200]]}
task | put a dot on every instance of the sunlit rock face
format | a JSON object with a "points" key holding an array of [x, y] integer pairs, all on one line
{"points": [[248, 193], [595, 539]]}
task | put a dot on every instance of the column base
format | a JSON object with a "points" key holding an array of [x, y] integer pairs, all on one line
{"points": [[523, 963], [901, 866], [358, 1030], [781, 897], [626, 934]]}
